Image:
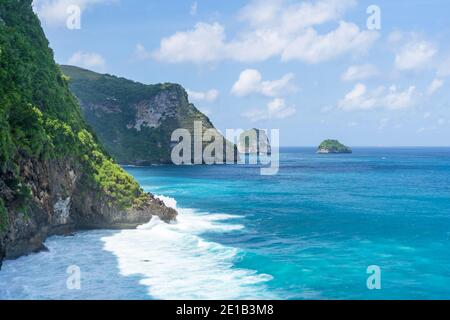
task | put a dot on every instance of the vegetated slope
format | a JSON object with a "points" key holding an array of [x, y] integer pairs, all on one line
{"points": [[135, 121], [54, 174]]}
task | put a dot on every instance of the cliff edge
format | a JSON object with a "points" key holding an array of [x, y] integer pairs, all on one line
{"points": [[55, 176]]}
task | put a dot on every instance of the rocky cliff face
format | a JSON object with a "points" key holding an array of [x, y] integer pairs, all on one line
{"points": [[254, 141], [135, 121], [63, 201], [54, 175]]}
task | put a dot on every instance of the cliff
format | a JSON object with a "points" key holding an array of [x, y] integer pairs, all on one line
{"points": [[333, 146], [135, 121], [55, 177]]}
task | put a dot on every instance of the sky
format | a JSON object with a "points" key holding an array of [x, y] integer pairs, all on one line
{"points": [[369, 73]]}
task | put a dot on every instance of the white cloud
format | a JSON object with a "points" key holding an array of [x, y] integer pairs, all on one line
{"points": [[208, 96], [54, 12], [204, 43], [359, 72], [313, 48], [194, 8], [250, 82], [271, 29], [414, 54], [434, 86], [361, 99], [92, 61], [275, 109], [293, 17]]}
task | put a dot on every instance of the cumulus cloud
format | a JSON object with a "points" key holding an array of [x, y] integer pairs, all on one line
{"points": [[275, 109], [250, 82], [434, 86], [204, 43], [359, 72], [360, 98], [92, 61], [271, 29], [412, 52], [293, 16], [54, 12], [208, 96], [312, 47]]}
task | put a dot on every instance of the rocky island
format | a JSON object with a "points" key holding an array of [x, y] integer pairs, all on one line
{"points": [[254, 141], [332, 146]]}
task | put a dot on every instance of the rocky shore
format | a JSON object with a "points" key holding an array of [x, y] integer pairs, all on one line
{"points": [[63, 202]]}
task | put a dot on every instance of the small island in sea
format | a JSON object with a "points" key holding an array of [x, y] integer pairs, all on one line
{"points": [[333, 146], [254, 141]]}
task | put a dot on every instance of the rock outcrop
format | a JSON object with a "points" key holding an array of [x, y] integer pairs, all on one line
{"points": [[135, 121], [254, 141], [55, 176]]}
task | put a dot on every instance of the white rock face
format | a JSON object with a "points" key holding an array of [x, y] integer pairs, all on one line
{"points": [[62, 210], [151, 112]]}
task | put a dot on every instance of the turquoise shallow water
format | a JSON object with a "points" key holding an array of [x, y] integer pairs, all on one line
{"points": [[309, 232]]}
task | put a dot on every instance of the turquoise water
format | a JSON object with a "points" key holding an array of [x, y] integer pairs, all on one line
{"points": [[317, 225], [309, 232]]}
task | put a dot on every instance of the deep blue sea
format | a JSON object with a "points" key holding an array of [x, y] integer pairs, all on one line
{"points": [[309, 232]]}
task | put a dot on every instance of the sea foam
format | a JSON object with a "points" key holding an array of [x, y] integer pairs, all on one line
{"points": [[175, 262], [154, 261]]}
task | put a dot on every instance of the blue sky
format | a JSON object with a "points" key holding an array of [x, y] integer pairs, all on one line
{"points": [[312, 69]]}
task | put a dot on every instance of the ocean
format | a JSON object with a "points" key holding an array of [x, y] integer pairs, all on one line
{"points": [[309, 232]]}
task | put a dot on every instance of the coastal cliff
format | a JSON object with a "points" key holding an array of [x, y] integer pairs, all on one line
{"points": [[55, 176], [135, 121]]}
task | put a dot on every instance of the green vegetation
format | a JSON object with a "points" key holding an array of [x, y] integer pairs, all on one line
{"points": [[39, 118], [333, 146], [110, 107]]}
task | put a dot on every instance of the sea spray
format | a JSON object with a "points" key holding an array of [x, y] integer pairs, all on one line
{"points": [[176, 263], [155, 261]]}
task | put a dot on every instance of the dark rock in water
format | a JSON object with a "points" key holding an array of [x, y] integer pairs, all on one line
{"points": [[42, 248], [254, 141], [333, 146]]}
